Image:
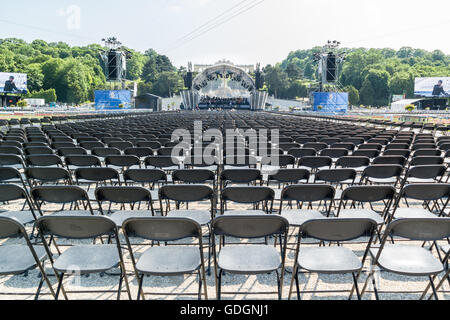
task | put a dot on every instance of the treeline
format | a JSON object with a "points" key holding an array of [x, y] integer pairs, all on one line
{"points": [[67, 74], [59, 72], [371, 76]]}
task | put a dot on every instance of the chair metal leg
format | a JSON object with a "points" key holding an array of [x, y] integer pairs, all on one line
{"points": [[61, 277], [355, 281], [219, 285], [297, 284], [278, 285], [141, 280], [41, 282], [120, 285], [200, 282], [375, 288], [433, 288]]}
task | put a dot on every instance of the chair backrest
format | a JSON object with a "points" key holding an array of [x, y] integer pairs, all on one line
{"points": [[186, 193], [145, 175], [43, 160], [104, 152], [426, 192], [59, 194], [315, 162], [247, 195], [338, 229], [7, 173], [123, 195], [11, 228], [161, 228], [45, 175], [139, 152], [302, 152], [420, 229], [122, 161], [426, 160], [353, 162], [250, 227], [368, 193], [390, 160], [241, 175], [289, 175], [161, 161], [96, 174], [11, 192], [336, 175], [308, 193], [83, 161], [426, 172], [38, 150], [81, 227], [63, 152], [193, 176], [382, 171]]}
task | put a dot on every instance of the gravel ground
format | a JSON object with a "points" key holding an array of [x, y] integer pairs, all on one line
{"points": [[312, 286]]}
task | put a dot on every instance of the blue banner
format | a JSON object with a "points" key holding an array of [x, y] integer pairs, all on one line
{"points": [[112, 99], [331, 102]]}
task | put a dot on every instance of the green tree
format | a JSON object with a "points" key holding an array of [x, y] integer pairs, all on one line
{"points": [[367, 93], [402, 83], [277, 80], [167, 84], [294, 71], [353, 95], [379, 81]]}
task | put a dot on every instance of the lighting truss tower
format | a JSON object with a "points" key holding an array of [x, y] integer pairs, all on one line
{"points": [[329, 60], [114, 56]]}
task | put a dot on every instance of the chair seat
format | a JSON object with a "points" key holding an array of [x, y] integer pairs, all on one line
{"points": [[23, 216], [329, 260], [17, 258], [154, 194], [202, 217], [243, 212], [299, 217], [88, 259], [252, 259], [413, 213], [408, 260], [120, 216], [361, 213], [169, 260]]}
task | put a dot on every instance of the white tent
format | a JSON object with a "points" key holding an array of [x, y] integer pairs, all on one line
{"points": [[399, 106]]}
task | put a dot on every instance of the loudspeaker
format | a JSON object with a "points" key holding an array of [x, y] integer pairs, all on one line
{"points": [[259, 80], [331, 68], [113, 65], [188, 80]]}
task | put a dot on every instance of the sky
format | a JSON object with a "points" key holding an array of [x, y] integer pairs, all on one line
{"points": [[243, 31]]}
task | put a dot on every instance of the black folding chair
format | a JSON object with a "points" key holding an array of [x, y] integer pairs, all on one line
{"points": [[49, 196], [410, 260], [332, 259], [11, 193], [82, 259], [134, 197], [168, 260], [19, 259], [250, 259], [433, 197], [297, 197]]}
